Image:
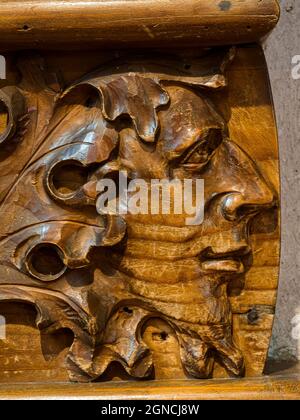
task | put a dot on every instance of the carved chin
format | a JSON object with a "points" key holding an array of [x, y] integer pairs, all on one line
{"points": [[106, 277], [194, 305]]}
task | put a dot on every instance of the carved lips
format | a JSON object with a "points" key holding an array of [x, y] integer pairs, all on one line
{"points": [[105, 277]]}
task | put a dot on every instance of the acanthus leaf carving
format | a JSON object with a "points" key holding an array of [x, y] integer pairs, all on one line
{"points": [[153, 120]]}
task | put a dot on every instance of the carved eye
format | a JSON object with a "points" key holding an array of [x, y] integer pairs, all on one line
{"points": [[45, 262], [198, 156]]}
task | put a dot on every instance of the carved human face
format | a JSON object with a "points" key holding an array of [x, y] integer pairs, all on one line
{"points": [[117, 272], [161, 249], [184, 272]]}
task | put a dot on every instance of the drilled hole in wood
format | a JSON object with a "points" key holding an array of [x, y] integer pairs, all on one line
{"points": [[4, 117], [92, 101], [253, 316], [187, 66], [69, 177], [127, 310], [45, 262]]}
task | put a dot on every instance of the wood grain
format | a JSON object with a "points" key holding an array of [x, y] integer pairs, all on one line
{"points": [[245, 100], [26, 355], [63, 24], [284, 385]]}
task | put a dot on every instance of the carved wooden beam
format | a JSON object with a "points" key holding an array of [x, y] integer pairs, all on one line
{"points": [[123, 23]]}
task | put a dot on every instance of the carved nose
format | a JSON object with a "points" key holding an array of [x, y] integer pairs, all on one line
{"points": [[250, 192], [237, 205]]}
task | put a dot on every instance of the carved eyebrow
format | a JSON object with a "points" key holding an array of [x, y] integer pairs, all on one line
{"points": [[203, 140], [189, 147], [187, 121]]}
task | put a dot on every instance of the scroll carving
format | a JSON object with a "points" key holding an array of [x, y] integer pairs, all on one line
{"points": [[105, 276]]}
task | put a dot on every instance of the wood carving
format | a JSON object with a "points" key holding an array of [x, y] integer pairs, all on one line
{"points": [[124, 23], [111, 279]]}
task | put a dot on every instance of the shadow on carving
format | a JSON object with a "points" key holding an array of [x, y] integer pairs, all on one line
{"points": [[132, 288]]}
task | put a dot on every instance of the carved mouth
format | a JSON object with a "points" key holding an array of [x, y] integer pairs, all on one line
{"points": [[231, 262]]}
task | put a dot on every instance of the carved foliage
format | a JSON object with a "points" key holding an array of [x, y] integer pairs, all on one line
{"points": [[104, 277]]}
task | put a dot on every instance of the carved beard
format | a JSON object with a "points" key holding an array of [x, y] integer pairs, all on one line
{"points": [[178, 273], [114, 275], [155, 276]]}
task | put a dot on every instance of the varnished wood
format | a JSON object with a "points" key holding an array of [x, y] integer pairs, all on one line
{"points": [[284, 385], [252, 300], [120, 297], [93, 23]]}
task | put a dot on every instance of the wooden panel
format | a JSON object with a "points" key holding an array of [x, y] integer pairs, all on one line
{"points": [[252, 126], [245, 101], [36, 23], [25, 354]]}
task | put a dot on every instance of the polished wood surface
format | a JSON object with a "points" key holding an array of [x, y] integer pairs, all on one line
{"points": [[115, 298], [224, 93], [283, 385], [122, 23]]}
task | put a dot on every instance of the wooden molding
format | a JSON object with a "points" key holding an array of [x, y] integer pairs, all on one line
{"points": [[123, 23], [282, 386]]}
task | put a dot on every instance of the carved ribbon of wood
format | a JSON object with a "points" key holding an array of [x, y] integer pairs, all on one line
{"points": [[104, 277]]}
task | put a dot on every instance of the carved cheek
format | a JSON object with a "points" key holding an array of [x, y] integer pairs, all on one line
{"points": [[139, 159]]}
